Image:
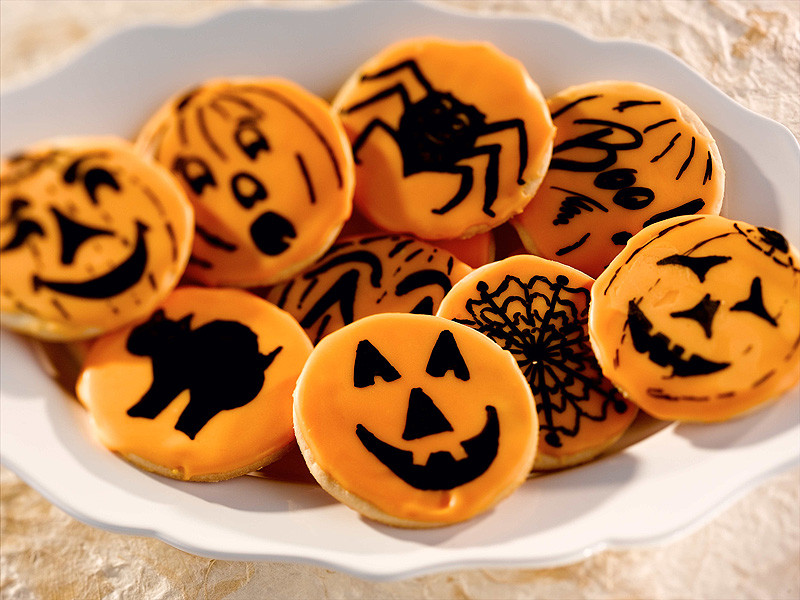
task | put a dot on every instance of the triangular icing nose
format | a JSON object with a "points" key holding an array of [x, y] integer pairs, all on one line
{"points": [[423, 417]]}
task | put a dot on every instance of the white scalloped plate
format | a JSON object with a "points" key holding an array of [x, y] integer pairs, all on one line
{"points": [[662, 480]]}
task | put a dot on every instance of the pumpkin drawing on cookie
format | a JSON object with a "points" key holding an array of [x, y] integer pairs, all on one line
{"points": [[269, 170], [92, 236], [699, 318], [414, 420]]}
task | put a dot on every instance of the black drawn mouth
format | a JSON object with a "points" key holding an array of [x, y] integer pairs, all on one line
{"points": [[441, 471], [116, 281], [663, 351]]}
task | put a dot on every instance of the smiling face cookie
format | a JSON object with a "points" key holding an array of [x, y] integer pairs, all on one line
{"points": [[91, 237], [626, 155], [699, 318], [450, 138], [269, 170], [414, 420]]}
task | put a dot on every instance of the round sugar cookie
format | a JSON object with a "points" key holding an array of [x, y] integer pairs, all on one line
{"points": [[413, 420], [202, 391], [368, 274], [92, 236], [450, 138], [538, 310], [269, 170], [626, 155], [698, 318]]}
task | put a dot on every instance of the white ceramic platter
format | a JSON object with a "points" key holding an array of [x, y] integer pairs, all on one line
{"points": [[651, 489]]}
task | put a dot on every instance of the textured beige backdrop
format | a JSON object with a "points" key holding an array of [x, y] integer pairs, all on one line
{"points": [[749, 49]]}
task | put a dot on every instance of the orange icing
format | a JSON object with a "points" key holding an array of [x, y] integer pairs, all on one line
{"points": [[538, 310], [436, 139], [92, 236], [269, 170], [625, 155], [699, 318], [368, 274], [329, 408], [114, 380]]}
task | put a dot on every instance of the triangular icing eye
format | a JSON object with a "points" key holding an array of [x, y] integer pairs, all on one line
{"points": [[445, 357], [700, 265], [369, 364], [755, 303]]}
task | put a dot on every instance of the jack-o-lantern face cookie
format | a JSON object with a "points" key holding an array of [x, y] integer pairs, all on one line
{"points": [[414, 420], [269, 170], [699, 318], [365, 275], [626, 155], [92, 236], [538, 310], [450, 138], [201, 391]]}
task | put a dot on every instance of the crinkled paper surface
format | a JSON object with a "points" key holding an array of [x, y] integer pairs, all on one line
{"points": [[749, 49]]}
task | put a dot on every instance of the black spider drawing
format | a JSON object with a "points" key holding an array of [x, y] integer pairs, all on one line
{"points": [[438, 131]]}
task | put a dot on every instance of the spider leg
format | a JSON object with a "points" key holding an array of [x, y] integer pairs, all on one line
{"points": [[362, 137], [390, 91], [519, 125], [492, 173], [464, 189], [406, 64]]}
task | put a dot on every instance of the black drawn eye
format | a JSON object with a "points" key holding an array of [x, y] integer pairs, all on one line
{"points": [[250, 139], [92, 179], [247, 189], [370, 363], [615, 179], [755, 303], [195, 172], [24, 228], [445, 357], [703, 312], [700, 265], [774, 239]]}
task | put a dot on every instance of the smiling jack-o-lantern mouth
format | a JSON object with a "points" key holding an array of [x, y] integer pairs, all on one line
{"points": [[441, 471], [119, 279], [662, 351]]}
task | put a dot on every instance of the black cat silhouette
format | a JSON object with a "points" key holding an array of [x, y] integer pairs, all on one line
{"points": [[219, 363]]}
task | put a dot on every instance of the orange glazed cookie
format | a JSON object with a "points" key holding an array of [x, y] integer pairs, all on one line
{"points": [[203, 390], [368, 274], [414, 420], [626, 155], [449, 138], [538, 310], [269, 170], [698, 318], [92, 237]]}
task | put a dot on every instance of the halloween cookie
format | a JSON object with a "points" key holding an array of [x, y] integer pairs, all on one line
{"points": [[368, 274], [92, 236], [698, 318], [414, 420], [626, 155], [449, 138], [538, 310], [201, 391], [269, 170]]}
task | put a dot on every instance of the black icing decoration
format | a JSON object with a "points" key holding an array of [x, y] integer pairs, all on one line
{"points": [[755, 303], [441, 471], [370, 363], [699, 265], [73, 234], [270, 233], [195, 172], [247, 189], [219, 363], [703, 312], [437, 132], [423, 417], [445, 357]]}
